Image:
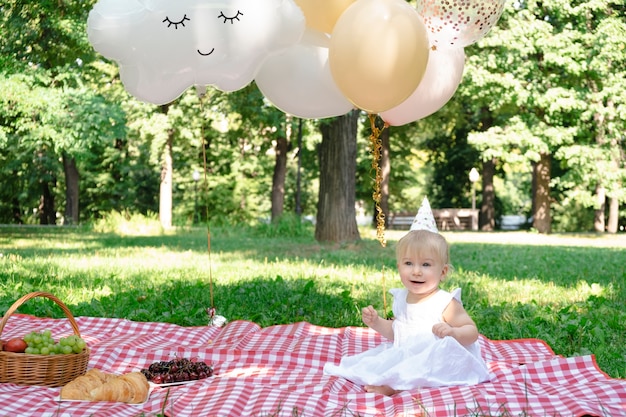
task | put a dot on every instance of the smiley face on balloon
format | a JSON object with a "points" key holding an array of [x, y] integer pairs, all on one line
{"points": [[163, 47]]}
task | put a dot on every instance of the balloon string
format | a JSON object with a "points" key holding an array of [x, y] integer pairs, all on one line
{"points": [[211, 312], [376, 148]]}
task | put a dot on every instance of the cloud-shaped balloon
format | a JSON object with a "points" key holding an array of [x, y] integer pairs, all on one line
{"points": [[164, 47]]}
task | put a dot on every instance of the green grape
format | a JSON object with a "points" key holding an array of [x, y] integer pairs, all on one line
{"points": [[42, 343]]}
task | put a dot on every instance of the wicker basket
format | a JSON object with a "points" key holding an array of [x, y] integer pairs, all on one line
{"points": [[46, 370]]}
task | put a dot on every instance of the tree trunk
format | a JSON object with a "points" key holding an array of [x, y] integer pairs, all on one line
{"points": [[15, 202], [299, 172], [336, 212], [598, 217], [278, 179], [487, 220], [167, 178], [47, 213], [72, 186], [542, 220], [613, 222], [17, 213]]}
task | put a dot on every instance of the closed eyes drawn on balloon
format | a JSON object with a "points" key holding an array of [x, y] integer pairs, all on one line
{"points": [[182, 21], [231, 19], [171, 22]]}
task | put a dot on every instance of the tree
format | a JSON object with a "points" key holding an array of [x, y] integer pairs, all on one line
{"points": [[44, 47], [167, 176], [545, 74], [268, 132], [336, 214], [487, 217], [600, 168], [278, 179]]}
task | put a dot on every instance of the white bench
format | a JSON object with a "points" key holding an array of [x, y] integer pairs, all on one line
{"points": [[512, 222], [446, 219]]}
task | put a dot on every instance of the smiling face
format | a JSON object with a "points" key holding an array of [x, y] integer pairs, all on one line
{"points": [[164, 46], [422, 258]]}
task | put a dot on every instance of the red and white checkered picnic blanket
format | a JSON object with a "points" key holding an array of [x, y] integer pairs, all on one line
{"points": [[275, 370]]}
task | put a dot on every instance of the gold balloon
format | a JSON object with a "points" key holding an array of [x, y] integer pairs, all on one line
{"points": [[378, 53], [322, 15]]}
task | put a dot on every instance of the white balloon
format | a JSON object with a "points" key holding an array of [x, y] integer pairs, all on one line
{"points": [[298, 81], [164, 47], [441, 79]]}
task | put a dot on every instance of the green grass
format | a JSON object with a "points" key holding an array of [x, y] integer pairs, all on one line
{"points": [[568, 291]]}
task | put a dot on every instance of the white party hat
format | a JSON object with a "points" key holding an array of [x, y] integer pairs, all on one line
{"points": [[424, 220]]}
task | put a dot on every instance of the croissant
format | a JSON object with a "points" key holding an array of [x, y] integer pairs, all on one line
{"points": [[132, 388], [80, 388]]}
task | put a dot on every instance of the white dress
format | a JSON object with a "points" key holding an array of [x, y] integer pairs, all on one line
{"points": [[416, 357]]}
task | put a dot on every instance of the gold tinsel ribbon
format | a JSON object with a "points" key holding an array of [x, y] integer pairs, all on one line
{"points": [[376, 147]]}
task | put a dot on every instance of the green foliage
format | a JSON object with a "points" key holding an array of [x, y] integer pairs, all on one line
{"points": [[289, 225], [41, 124], [410, 172], [550, 79], [45, 33], [128, 224]]}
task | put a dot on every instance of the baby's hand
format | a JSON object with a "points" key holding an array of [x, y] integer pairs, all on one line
{"points": [[443, 329], [369, 315]]}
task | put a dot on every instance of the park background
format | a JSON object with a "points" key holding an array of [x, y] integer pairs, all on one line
{"points": [[539, 113]]}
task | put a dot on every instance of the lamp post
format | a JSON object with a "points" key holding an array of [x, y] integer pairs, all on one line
{"points": [[196, 178], [473, 177]]}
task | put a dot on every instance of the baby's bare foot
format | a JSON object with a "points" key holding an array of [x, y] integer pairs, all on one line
{"points": [[381, 389]]}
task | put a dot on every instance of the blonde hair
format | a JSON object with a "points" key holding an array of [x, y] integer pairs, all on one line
{"points": [[423, 241]]}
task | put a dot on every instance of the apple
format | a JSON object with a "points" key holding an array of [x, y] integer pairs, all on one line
{"points": [[16, 345]]}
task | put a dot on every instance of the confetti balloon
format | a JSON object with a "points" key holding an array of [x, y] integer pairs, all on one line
{"points": [[459, 23]]}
